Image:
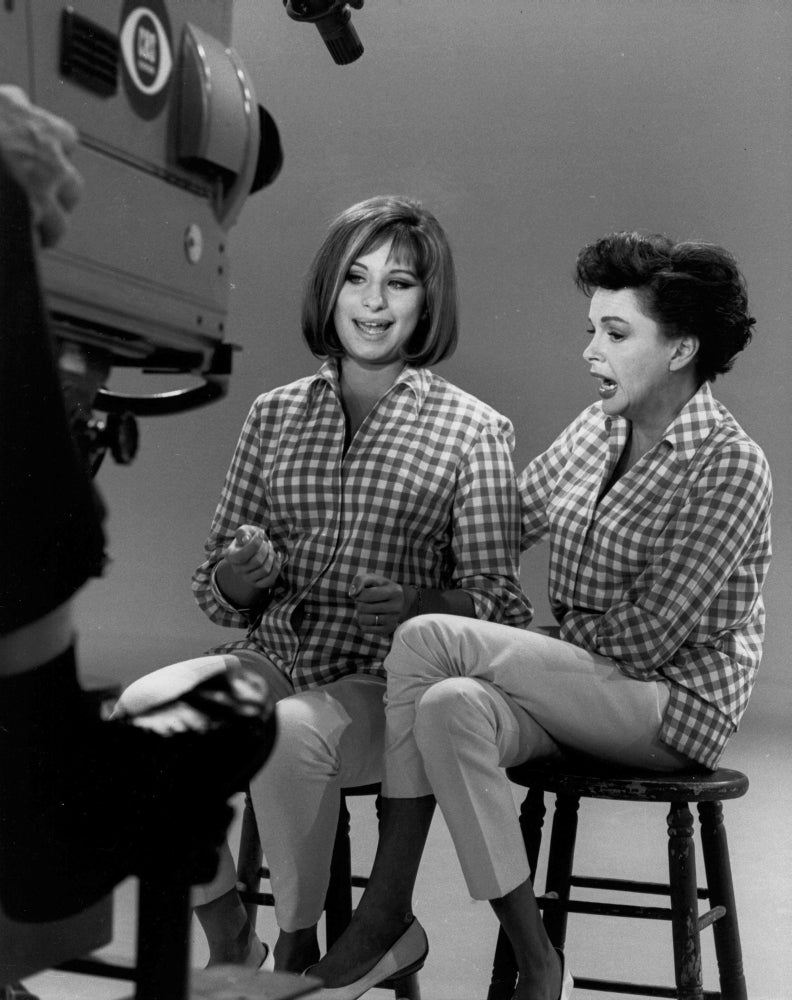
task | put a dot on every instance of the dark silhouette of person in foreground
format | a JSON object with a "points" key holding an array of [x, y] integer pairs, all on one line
{"points": [[84, 802]]}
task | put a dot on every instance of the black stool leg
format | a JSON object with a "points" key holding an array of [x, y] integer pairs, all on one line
{"points": [[250, 861], [504, 966], [684, 903], [721, 893], [163, 941], [532, 816], [338, 901], [559, 867]]}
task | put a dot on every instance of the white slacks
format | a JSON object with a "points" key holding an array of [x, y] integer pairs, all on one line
{"points": [[467, 698], [329, 738]]}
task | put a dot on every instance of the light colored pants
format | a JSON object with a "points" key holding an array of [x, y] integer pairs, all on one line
{"points": [[329, 738], [467, 699]]}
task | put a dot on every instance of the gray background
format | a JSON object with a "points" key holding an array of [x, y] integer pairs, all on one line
{"points": [[529, 128]]}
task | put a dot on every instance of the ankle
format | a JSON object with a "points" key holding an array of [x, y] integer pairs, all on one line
{"points": [[295, 950], [381, 923], [541, 981], [233, 949]]}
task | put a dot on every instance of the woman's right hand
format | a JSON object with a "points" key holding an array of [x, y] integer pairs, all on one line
{"points": [[253, 558]]}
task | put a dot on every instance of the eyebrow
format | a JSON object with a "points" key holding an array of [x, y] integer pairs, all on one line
{"points": [[392, 270], [613, 319]]}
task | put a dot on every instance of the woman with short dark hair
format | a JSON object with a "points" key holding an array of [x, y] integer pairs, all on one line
{"points": [[692, 286], [656, 506], [358, 497]]}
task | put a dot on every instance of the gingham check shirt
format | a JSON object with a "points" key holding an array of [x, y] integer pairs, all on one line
{"points": [[664, 573], [425, 495]]}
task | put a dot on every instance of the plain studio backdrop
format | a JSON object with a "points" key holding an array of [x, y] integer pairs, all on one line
{"points": [[529, 128]]}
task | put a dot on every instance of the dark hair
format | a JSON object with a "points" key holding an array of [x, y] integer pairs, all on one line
{"points": [[690, 288], [418, 238]]}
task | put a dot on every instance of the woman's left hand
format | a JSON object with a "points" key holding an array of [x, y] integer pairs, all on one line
{"points": [[379, 603]]}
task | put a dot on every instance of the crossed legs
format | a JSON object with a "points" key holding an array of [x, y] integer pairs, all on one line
{"points": [[465, 700]]}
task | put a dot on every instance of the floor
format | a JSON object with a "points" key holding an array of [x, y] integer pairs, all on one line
{"points": [[620, 837]]}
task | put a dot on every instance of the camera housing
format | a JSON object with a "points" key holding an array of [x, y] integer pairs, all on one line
{"points": [[172, 141]]}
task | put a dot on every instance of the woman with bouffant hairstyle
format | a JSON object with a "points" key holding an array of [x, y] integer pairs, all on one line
{"points": [[693, 287]]}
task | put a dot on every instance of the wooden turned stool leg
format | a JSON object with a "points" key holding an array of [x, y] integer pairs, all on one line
{"points": [[559, 867], [684, 903], [532, 814], [504, 967], [721, 893]]}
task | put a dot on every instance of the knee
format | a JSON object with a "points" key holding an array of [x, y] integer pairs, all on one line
{"points": [[455, 709], [420, 646], [402, 654], [306, 739]]}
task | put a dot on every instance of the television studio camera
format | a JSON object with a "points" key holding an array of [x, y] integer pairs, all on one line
{"points": [[172, 141]]}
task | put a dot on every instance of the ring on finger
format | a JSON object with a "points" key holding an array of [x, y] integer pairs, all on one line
{"points": [[376, 621]]}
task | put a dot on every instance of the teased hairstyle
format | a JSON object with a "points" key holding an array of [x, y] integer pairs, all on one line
{"points": [[418, 239], [689, 288]]}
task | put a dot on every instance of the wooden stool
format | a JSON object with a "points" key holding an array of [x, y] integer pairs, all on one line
{"points": [[574, 779], [338, 901]]}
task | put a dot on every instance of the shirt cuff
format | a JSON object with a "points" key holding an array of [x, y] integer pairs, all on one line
{"points": [[220, 597]]}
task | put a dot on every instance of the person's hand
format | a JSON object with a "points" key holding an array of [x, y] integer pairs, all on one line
{"points": [[36, 147], [379, 603], [253, 558]]}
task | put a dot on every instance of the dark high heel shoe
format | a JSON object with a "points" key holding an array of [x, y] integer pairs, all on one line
{"points": [[88, 802], [405, 956]]}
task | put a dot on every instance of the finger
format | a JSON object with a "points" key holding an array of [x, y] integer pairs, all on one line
{"points": [[244, 534], [386, 610], [50, 225], [377, 595], [244, 545], [53, 202], [71, 188], [365, 581], [372, 620], [64, 132], [270, 559], [259, 577]]}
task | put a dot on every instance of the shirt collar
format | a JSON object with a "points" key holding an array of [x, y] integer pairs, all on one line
{"points": [[416, 380], [692, 425]]}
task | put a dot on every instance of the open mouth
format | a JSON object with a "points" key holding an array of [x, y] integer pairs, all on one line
{"points": [[372, 329], [607, 388]]}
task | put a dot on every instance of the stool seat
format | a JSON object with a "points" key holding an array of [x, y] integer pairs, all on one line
{"points": [[599, 780]]}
